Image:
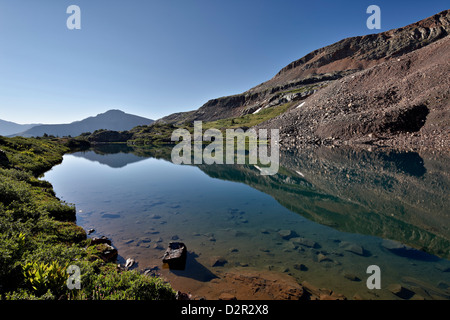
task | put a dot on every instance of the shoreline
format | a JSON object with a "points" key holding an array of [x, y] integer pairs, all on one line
{"points": [[233, 283]]}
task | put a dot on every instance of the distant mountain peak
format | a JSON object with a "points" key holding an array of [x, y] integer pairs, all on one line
{"points": [[114, 111], [8, 128], [114, 119]]}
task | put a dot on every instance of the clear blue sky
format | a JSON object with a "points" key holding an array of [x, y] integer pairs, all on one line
{"points": [[153, 58]]}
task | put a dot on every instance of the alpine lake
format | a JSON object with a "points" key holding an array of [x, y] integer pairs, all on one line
{"points": [[325, 217]]}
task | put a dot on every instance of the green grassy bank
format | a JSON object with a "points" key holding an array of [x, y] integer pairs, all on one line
{"points": [[39, 238]]}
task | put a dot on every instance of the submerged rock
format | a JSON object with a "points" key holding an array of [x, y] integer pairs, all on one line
{"points": [[287, 234], [352, 247], [218, 262], [351, 277], [321, 257], [403, 250], [239, 233], [152, 271], [110, 216], [392, 245], [158, 246], [145, 240], [427, 289], [443, 268], [305, 242], [400, 291], [153, 231], [300, 266]]}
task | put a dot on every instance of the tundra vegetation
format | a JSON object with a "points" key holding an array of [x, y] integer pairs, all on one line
{"points": [[39, 238], [160, 133]]}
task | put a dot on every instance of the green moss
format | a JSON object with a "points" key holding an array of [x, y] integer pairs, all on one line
{"points": [[33, 155], [60, 211], [43, 277], [113, 284]]}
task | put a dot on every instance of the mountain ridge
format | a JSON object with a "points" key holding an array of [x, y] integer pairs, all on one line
{"points": [[8, 127], [402, 103], [321, 67], [362, 52], [114, 119]]}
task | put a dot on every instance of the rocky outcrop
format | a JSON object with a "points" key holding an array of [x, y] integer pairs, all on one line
{"points": [[322, 66], [108, 253], [4, 161], [358, 53], [175, 255], [403, 103], [103, 249]]}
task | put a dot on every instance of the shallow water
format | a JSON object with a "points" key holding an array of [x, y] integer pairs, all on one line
{"points": [[332, 199]]}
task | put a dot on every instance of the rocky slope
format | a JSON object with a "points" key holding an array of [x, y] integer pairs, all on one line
{"points": [[358, 53], [403, 102], [304, 77]]}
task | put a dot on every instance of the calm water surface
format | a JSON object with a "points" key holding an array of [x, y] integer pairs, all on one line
{"points": [[334, 201]]}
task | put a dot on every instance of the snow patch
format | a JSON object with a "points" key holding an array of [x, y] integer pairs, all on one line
{"points": [[299, 173], [301, 104]]}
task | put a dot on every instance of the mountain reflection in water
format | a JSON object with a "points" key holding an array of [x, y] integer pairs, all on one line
{"points": [[343, 208], [387, 194]]}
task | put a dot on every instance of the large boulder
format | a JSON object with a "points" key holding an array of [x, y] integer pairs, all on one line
{"points": [[100, 240], [4, 161], [110, 254], [175, 256]]}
